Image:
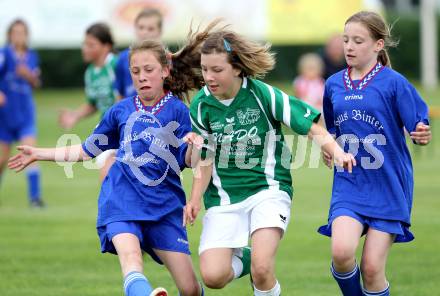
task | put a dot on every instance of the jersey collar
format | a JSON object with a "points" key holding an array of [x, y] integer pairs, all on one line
{"points": [[349, 85], [152, 109]]}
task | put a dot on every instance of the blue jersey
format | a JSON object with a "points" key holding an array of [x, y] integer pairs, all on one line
{"points": [[19, 107], [369, 117], [144, 183], [123, 83]]}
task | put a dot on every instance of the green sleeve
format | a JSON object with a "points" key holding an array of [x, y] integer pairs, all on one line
{"points": [[294, 113]]}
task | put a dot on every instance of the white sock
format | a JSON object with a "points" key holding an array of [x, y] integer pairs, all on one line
{"points": [[275, 291], [237, 266]]}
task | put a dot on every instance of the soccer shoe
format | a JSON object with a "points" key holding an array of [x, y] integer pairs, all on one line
{"points": [[159, 292], [38, 203]]}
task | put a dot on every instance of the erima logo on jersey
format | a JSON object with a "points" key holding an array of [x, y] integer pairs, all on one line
{"points": [[308, 112], [183, 241], [353, 97]]}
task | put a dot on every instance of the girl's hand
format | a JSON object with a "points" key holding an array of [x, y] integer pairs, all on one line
{"points": [[2, 99], [22, 159], [192, 138], [67, 119], [345, 160], [328, 159], [190, 211], [422, 135]]}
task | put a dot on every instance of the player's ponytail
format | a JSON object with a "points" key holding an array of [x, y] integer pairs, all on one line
{"points": [[384, 58], [378, 29]]}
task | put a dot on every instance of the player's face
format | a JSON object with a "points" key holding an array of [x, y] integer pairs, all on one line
{"points": [[19, 35], [360, 49], [219, 75], [148, 75], [93, 49], [148, 28]]}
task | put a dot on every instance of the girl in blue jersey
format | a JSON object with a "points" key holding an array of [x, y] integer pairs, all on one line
{"points": [[140, 205], [19, 74], [368, 106], [147, 25]]}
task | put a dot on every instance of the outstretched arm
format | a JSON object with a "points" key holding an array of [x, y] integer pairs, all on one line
{"points": [[330, 148], [29, 154]]}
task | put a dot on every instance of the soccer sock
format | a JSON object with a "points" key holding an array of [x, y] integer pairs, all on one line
{"points": [[348, 282], [385, 292], [136, 284], [275, 291], [33, 176], [241, 262]]}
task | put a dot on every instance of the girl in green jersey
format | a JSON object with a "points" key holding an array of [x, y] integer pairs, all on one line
{"points": [[99, 84], [247, 186]]}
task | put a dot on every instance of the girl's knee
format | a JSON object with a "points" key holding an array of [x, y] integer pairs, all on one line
{"points": [[214, 280], [342, 254], [261, 272], [372, 270]]}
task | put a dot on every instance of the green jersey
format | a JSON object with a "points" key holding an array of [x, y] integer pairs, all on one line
{"points": [[246, 141], [99, 84]]}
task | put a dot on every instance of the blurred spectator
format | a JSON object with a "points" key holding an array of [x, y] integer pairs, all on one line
{"points": [[308, 86], [148, 25], [333, 56], [19, 75]]}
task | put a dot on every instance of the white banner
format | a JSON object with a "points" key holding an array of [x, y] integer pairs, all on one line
{"points": [[62, 23]]}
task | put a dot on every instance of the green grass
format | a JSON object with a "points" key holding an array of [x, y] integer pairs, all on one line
{"points": [[56, 251]]}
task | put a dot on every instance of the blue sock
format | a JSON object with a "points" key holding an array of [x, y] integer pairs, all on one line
{"points": [[136, 284], [385, 292], [33, 176], [349, 282]]}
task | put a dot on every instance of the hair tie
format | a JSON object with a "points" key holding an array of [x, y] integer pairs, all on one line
{"points": [[227, 45]]}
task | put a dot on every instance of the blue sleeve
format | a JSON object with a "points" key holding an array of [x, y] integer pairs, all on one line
{"points": [[328, 111], [2, 63], [184, 128], [104, 137], [410, 106], [119, 75]]}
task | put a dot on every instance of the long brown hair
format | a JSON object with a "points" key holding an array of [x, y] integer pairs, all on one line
{"points": [[252, 58], [184, 74], [378, 29]]}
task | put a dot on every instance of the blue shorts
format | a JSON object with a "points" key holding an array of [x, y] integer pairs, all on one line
{"points": [[400, 229], [10, 135], [167, 234]]}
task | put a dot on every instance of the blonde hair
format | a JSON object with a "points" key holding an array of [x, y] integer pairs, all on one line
{"points": [[252, 58], [378, 29], [183, 75]]}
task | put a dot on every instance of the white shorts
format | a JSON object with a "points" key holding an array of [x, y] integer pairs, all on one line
{"points": [[231, 226], [101, 158]]}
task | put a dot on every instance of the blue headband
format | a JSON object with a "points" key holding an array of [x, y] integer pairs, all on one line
{"points": [[227, 45]]}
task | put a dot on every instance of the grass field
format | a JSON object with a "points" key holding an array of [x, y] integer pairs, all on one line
{"points": [[55, 251]]}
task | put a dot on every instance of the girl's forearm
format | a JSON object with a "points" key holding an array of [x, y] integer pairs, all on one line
{"points": [[72, 153], [202, 177]]}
